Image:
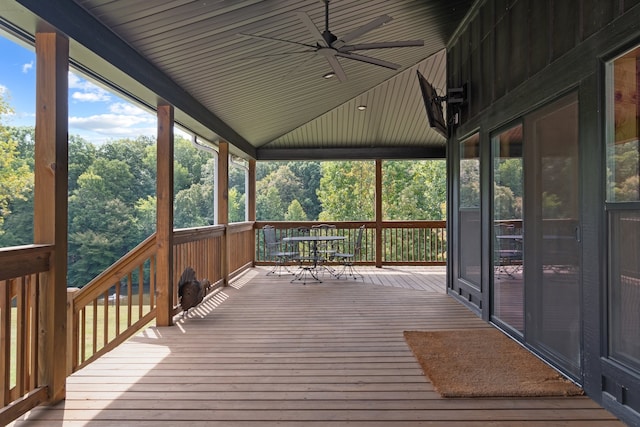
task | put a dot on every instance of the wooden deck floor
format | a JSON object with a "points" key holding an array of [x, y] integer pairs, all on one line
{"points": [[267, 352]]}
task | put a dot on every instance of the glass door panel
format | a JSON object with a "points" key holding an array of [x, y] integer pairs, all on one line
{"points": [[469, 194], [553, 234], [508, 236]]}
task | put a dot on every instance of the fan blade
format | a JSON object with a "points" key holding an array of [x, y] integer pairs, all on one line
{"points": [[272, 55], [313, 30], [379, 21], [298, 67], [368, 60], [331, 54], [381, 45], [273, 39]]}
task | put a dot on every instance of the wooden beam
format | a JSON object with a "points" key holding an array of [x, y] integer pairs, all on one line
{"points": [[357, 153], [378, 213], [164, 233], [50, 206], [223, 203]]}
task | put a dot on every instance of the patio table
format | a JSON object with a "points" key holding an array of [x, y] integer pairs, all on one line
{"points": [[312, 241]]}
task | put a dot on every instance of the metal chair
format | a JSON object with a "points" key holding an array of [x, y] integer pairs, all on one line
{"points": [[278, 252], [347, 259], [325, 250], [507, 249], [306, 258]]}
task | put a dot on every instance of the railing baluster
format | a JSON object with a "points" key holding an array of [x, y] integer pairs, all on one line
{"points": [[95, 326], [105, 318], [403, 242]]}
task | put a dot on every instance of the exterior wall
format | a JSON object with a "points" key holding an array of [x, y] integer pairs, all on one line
{"points": [[515, 56]]}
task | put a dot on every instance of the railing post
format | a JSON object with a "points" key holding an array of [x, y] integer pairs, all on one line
{"points": [[223, 204], [164, 212], [72, 339], [50, 206], [379, 247]]}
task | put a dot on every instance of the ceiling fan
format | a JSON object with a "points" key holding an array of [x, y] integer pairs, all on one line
{"points": [[332, 47]]}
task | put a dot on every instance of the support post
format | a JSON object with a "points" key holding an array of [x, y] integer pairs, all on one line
{"points": [[379, 247], [251, 201], [164, 217], [50, 206], [223, 204]]}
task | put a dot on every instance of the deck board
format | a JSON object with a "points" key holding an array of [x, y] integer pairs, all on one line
{"points": [[268, 352]]}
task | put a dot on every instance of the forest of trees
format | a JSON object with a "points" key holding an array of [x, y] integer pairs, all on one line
{"points": [[112, 193]]}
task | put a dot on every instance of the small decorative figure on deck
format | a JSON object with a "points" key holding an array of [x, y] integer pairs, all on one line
{"points": [[191, 291]]}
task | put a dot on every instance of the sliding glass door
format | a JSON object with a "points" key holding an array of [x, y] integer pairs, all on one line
{"points": [[536, 233], [552, 247]]}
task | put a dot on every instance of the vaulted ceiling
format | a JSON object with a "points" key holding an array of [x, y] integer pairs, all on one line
{"points": [[223, 66]]}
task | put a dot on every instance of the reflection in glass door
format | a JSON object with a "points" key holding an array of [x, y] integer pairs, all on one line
{"points": [[553, 234], [469, 193], [508, 236]]}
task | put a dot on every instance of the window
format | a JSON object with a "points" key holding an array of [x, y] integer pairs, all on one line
{"points": [[469, 193], [623, 207]]}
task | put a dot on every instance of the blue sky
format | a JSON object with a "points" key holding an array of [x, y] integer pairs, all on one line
{"points": [[94, 113]]}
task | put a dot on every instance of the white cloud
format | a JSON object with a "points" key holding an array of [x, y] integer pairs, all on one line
{"points": [[116, 125], [89, 96], [125, 108], [27, 67], [86, 91]]}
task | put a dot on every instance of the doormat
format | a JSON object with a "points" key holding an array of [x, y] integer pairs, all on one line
{"points": [[484, 363]]}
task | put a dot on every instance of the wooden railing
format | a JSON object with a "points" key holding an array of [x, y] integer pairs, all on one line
{"points": [[122, 299], [19, 308], [414, 242], [200, 249], [112, 307], [240, 244], [403, 242]]}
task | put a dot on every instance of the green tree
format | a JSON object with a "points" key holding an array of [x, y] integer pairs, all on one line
{"points": [[193, 207], [269, 205], [134, 153], [92, 250], [16, 177], [295, 212], [146, 214], [414, 190], [236, 205], [347, 191], [309, 174], [275, 192], [81, 155]]}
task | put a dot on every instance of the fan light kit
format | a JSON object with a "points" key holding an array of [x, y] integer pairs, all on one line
{"points": [[332, 47]]}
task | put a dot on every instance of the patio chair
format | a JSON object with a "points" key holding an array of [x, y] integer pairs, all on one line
{"points": [[277, 251], [325, 250], [507, 250], [348, 258], [305, 257]]}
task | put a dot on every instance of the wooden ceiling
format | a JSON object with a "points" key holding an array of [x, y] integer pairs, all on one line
{"points": [[267, 102]]}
